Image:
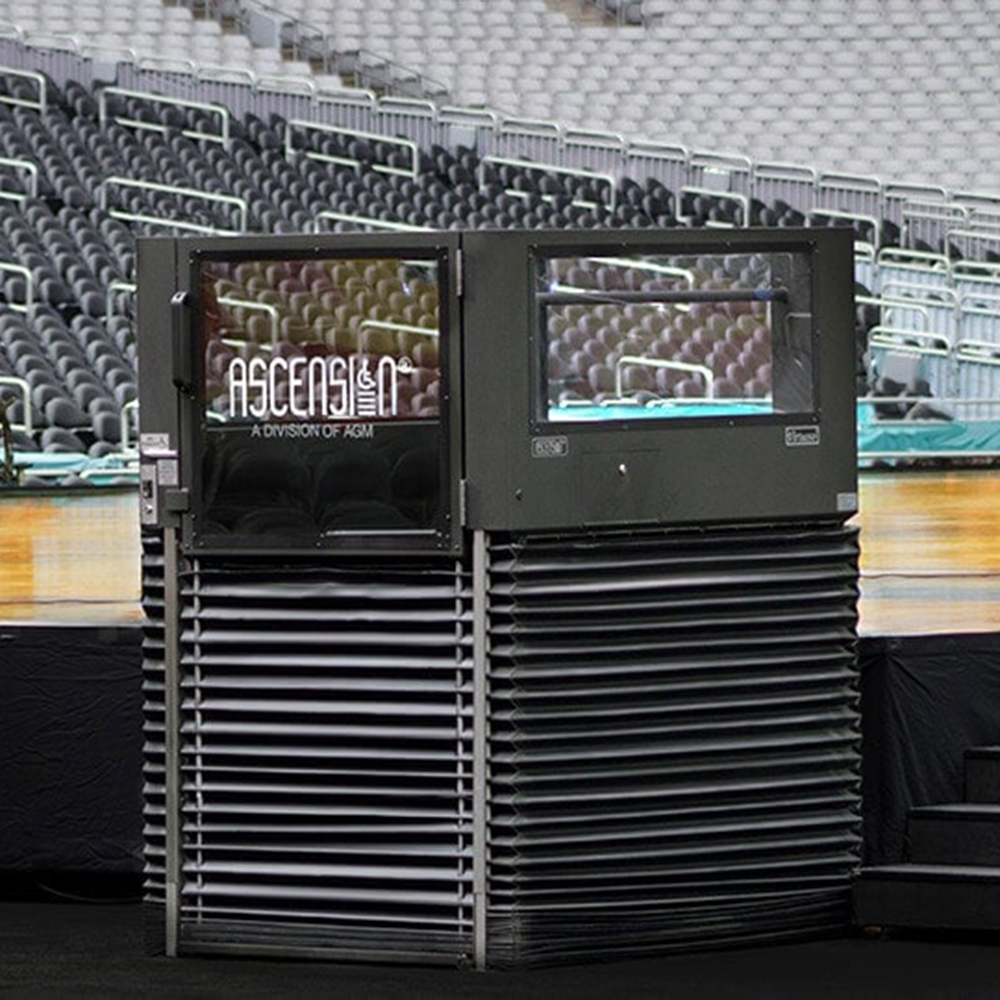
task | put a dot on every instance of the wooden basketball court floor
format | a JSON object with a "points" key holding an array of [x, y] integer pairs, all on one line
{"points": [[930, 562]]}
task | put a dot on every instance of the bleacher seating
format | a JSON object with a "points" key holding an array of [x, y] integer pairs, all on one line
{"points": [[898, 89], [149, 28], [112, 162], [892, 88]]}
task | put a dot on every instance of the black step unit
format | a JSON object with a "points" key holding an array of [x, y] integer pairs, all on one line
{"points": [[982, 774], [945, 897], [956, 834]]}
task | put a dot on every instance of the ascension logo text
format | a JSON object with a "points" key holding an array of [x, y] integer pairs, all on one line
{"points": [[315, 388]]}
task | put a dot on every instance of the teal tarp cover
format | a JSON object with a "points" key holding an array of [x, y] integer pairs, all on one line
{"points": [[943, 436]]}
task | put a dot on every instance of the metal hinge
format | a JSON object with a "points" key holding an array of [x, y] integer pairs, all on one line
{"points": [[459, 279], [177, 501], [463, 500]]}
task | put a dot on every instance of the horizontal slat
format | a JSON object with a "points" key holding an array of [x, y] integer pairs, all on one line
{"points": [[199, 912], [673, 719], [301, 730], [267, 682], [253, 806], [252, 790], [424, 708], [423, 615], [207, 770], [254, 889], [423, 850], [561, 611], [270, 749], [289, 638], [326, 752], [364, 830], [790, 658], [341, 661], [529, 688], [528, 648]]}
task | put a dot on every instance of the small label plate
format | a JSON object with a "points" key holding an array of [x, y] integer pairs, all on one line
{"points": [[803, 436], [554, 446]]}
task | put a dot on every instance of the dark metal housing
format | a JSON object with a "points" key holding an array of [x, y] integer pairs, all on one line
{"points": [[550, 656]]}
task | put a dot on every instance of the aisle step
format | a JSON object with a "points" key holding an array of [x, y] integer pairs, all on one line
{"points": [[965, 833], [982, 774], [952, 897]]}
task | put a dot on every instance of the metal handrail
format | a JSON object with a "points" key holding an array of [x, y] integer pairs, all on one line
{"points": [[974, 235], [350, 95], [119, 287], [61, 41], [986, 272], [630, 359], [983, 220], [218, 109], [381, 324], [647, 265], [976, 200], [108, 53], [398, 102], [26, 424], [741, 199], [926, 300], [182, 192], [922, 260], [20, 102], [902, 191], [606, 140], [15, 268], [838, 180], [978, 350], [29, 168], [932, 211], [943, 400], [980, 304], [900, 339], [284, 84], [885, 304], [267, 307], [776, 170], [971, 312], [130, 407], [940, 295], [672, 151], [399, 227], [835, 213], [712, 161], [411, 147], [452, 114], [582, 172], [226, 74], [168, 64]]}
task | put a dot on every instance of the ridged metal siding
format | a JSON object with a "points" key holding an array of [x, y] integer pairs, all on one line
{"points": [[325, 756], [154, 769], [674, 743]]}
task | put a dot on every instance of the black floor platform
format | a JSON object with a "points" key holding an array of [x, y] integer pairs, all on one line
{"points": [[74, 950]]}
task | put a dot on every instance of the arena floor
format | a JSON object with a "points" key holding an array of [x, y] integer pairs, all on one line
{"points": [[66, 950], [930, 555]]}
